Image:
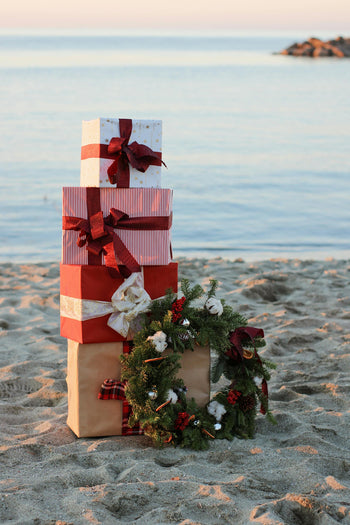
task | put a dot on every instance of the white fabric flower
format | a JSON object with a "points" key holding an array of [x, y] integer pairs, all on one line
{"points": [[158, 340], [216, 409], [214, 306], [128, 302], [172, 396]]}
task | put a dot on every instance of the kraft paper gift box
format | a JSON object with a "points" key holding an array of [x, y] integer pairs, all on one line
{"points": [[134, 139], [108, 225], [90, 364], [88, 298]]}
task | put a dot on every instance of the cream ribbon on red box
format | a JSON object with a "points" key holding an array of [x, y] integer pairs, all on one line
{"points": [[127, 303]]}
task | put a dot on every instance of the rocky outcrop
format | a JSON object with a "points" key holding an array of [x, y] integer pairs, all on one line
{"points": [[314, 47]]}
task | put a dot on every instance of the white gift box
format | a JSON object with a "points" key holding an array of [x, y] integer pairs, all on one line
{"points": [[99, 132]]}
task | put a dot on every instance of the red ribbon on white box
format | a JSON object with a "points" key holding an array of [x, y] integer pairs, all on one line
{"points": [[139, 156]]}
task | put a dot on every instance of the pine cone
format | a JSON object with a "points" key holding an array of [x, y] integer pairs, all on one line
{"points": [[246, 403]]}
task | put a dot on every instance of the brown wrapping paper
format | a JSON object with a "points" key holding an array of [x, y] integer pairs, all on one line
{"points": [[90, 364], [195, 372]]}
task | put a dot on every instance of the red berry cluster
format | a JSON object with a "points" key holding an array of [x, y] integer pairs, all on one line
{"points": [[233, 396], [181, 421], [177, 308]]}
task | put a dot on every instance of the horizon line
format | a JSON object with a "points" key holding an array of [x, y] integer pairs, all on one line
{"points": [[109, 31]]}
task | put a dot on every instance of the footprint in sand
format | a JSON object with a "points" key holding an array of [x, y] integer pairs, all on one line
{"points": [[18, 387], [299, 510]]}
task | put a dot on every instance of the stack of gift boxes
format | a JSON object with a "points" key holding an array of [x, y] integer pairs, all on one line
{"points": [[116, 258]]}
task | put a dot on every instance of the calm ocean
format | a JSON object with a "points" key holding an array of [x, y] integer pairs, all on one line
{"points": [[257, 145]]}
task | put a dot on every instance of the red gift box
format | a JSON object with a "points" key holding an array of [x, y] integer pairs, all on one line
{"points": [[97, 283], [111, 226]]}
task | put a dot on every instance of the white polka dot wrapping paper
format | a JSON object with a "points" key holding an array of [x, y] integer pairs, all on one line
{"points": [[100, 131]]}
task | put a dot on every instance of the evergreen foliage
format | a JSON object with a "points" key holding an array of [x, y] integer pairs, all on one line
{"points": [[158, 398]]}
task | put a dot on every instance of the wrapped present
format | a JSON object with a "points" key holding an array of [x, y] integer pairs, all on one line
{"points": [[98, 306], [127, 226], [87, 367], [122, 152], [96, 405]]}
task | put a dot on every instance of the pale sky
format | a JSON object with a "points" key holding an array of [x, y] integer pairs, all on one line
{"points": [[177, 14]]}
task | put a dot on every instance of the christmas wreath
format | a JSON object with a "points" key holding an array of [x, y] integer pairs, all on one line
{"points": [[158, 398]]}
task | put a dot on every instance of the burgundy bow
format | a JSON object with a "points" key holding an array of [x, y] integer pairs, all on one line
{"points": [[98, 234], [237, 338], [137, 155]]}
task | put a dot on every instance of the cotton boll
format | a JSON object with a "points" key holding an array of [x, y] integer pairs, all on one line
{"points": [[217, 426], [221, 410], [159, 341], [212, 408], [216, 409], [214, 306], [172, 396]]}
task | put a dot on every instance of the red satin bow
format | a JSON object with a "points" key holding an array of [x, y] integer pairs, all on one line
{"points": [[99, 234], [137, 155], [236, 351], [238, 336]]}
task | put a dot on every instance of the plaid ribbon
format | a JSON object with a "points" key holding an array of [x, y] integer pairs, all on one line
{"points": [[112, 389]]}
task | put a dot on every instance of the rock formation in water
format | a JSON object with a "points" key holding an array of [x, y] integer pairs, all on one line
{"points": [[314, 47]]}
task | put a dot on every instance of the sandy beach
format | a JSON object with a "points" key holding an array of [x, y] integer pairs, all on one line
{"points": [[295, 473]]}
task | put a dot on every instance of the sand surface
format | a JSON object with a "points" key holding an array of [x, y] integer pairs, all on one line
{"points": [[295, 473]]}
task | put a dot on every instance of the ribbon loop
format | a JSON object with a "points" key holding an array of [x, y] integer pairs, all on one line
{"points": [[115, 216], [115, 145]]}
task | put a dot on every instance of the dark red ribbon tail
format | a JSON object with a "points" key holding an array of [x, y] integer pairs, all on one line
{"points": [[265, 393], [124, 272], [122, 253], [112, 171], [116, 250], [123, 175]]}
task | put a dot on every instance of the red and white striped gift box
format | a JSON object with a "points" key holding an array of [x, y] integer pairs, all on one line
{"points": [[148, 247]]}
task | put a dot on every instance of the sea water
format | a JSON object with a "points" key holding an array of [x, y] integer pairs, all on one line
{"points": [[256, 144]]}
